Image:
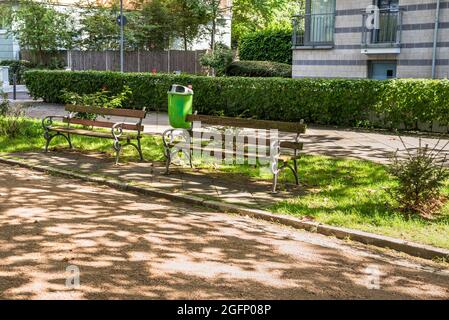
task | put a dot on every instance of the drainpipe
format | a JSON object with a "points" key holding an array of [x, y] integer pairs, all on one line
{"points": [[435, 38]]}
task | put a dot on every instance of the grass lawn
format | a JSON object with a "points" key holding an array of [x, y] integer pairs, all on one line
{"points": [[32, 138], [339, 192]]}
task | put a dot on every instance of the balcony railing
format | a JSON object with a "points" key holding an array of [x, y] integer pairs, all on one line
{"points": [[387, 32], [313, 30]]}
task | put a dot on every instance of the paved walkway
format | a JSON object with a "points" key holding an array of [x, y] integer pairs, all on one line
{"points": [[376, 147], [231, 188], [127, 246]]}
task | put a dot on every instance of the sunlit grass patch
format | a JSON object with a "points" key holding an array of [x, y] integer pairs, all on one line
{"points": [[335, 191]]}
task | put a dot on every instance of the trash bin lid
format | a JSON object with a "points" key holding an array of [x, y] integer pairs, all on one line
{"points": [[182, 90]]}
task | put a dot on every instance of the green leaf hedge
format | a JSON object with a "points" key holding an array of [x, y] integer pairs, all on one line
{"points": [[267, 45], [259, 69], [391, 103]]}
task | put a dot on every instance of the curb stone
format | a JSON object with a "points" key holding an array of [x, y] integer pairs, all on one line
{"points": [[411, 248]]}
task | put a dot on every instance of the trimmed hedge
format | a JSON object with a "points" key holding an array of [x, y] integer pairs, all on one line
{"points": [[259, 69], [267, 45], [319, 101]]}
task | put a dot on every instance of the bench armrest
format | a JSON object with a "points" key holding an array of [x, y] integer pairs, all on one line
{"points": [[117, 130], [47, 122]]}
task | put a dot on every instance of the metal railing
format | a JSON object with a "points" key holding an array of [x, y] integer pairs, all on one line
{"points": [[313, 29], [385, 30]]}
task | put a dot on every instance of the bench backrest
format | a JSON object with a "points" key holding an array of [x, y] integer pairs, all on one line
{"points": [[128, 113], [290, 127]]}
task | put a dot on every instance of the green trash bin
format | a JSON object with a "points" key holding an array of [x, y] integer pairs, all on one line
{"points": [[180, 100]]}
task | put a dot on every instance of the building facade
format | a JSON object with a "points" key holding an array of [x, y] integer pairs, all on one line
{"points": [[9, 48], [378, 39]]}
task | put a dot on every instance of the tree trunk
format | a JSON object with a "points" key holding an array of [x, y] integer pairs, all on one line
{"points": [[212, 35], [185, 41]]}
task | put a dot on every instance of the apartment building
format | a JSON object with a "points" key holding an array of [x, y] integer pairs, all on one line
{"points": [[378, 39]]}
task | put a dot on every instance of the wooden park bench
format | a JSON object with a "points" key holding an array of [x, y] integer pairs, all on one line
{"points": [[121, 132], [284, 152]]}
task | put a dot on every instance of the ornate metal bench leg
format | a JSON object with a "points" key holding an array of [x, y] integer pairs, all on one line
{"points": [[48, 139], [295, 166], [167, 161], [117, 147], [140, 149], [190, 158], [69, 140], [275, 182]]}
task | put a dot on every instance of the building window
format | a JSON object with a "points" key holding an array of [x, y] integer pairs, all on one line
{"points": [[382, 70], [316, 27], [320, 21]]}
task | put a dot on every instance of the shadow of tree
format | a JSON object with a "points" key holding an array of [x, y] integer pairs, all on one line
{"points": [[133, 247]]}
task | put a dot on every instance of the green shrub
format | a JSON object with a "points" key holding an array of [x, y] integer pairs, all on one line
{"points": [[4, 103], [421, 178], [267, 45], [17, 67], [220, 59], [344, 102], [13, 124], [100, 99], [259, 69]]}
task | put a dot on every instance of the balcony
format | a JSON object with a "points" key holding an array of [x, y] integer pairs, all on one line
{"points": [[384, 35], [313, 31]]}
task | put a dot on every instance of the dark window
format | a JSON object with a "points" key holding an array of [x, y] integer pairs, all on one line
{"points": [[382, 70]]}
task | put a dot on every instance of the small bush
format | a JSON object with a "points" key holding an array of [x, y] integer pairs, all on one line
{"points": [[421, 177], [17, 67], [13, 123], [219, 60], [4, 104], [267, 45], [101, 99], [259, 69]]}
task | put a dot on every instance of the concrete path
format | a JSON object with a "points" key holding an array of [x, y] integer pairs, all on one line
{"points": [[375, 147], [127, 246], [231, 188]]}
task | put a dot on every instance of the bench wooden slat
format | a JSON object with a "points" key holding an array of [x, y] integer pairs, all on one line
{"points": [[89, 133], [283, 157], [107, 111], [283, 144], [102, 124], [292, 145], [295, 127]]}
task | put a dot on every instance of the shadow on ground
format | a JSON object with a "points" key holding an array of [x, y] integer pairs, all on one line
{"points": [[132, 247]]}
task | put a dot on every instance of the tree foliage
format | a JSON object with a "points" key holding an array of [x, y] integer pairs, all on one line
{"points": [[188, 17], [40, 27], [252, 15], [218, 59], [153, 27], [215, 14], [98, 28], [267, 45]]}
